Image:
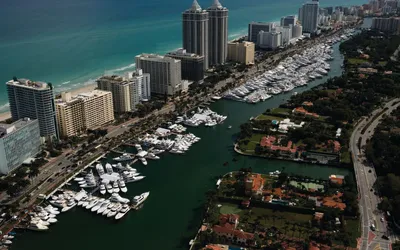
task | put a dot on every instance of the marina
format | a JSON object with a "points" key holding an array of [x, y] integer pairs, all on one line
{"points": [[168, 180]]}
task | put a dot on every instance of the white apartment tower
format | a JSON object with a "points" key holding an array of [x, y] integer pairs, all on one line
{"points": [[308, 15]]}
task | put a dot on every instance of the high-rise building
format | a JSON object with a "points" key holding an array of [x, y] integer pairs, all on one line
{"points": [[256, 27], [165, 73], [297, 30], [286, 34], [330, 10], [19, 141], [391, 24], [121, 87], [241, 52], [269, 40], [195, 31], [34, 100], [309, 16], [84, 111], [288, 20], [191, 65], [217, 33]]}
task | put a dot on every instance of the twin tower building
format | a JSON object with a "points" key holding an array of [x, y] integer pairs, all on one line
{"points": [[205, 32]]}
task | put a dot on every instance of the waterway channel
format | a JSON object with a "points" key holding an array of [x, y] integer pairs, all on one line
{"points": [[172, 214]]}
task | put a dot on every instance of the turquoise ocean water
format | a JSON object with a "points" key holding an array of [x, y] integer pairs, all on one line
{"points": [[71, 43]]}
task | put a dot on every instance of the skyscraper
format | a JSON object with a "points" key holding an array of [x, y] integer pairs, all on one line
{"points": [[256, 27], [195, 31], [34, 100], [308, 15], [288, 20], [217, 33]]}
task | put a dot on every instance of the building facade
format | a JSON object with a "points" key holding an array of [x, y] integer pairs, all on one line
{"points": [[270, 40], [195, 31], [242, 52], [297, 31], [217, 34], [165, 73], [256, 27], [389, 24], [119, 89], [84, 111], [34, 100], [309, 16], [288, 20], [192, 65], [286, 34], [19, 141]]}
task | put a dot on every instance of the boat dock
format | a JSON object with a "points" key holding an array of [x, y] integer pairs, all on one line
{"points": [[120, 152]]}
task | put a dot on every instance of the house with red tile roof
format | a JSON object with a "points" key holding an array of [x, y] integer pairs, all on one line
{"points": [[337, 179], [308, 104], [234, 235], [302, 111], [336, 146], [254, 184], [229, 220], [269, 143], [216, 247]]}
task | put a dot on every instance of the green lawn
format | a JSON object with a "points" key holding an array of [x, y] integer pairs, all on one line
{"points": [[383, 63], [356, 60], [269, 117], [345, 157], [281, 111]]}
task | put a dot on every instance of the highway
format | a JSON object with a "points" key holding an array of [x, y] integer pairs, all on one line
{"points": [[366, 177]]}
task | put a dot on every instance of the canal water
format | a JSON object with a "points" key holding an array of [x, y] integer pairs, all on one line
{"points": [[177, 184]]}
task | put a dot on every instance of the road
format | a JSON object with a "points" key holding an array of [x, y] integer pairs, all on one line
{"points": [[366, 177]]}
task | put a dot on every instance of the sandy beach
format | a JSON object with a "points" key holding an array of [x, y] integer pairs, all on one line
{"points": [[86, 88]]}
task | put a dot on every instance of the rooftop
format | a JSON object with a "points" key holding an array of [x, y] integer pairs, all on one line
{"points": [[67, 99], [6, 129], [183, 53], [155, 57], [30, 84]]}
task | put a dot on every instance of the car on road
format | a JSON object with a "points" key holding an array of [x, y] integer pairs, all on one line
{"points": [[373, 227], [382, 219], [385, 237]]}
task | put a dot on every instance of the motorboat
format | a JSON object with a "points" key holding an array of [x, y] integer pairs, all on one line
{"points": [[139, 199], [109, 188], [102, 189], [92, 203], [176, 151], [134, 178], [152, 156], [83, 200], [229, 127], [122, 186], [79, 179], [115, 187], [52, 220], [143, 160], [124, 157], [124, 210], [70, 204], [114, 210], [117, 198], [100, 169], [42, 222], [157, 151], [8, 237], [37, 226], [103, 206], [99, 205], [109, 168], [109, 207], [6, 242]]}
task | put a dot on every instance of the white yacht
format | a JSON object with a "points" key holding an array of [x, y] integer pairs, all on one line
{"points": [[143, 160], [139, 199], [99, 205], [134, 178], [157, 151], [92, 203], [83, 200], [115, 187], [152, 156], [79, 179], [109, 188], [124, 210], [114, 210], [124, 157], [117, 198], [37, 226], [109, 168], [122, 186], [103, 206], [100, 169], [176, 151], [108, 209], [102, 189], [70, 204]]}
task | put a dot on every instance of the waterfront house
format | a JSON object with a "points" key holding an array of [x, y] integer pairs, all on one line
{"points": [[254, 184], [288, 150], [229, 220], [216, 247], [302, 111], [234, 235], [307, 104]]}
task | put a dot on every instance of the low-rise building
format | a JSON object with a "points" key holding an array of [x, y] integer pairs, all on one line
{"points": [[268, 142], [84, 111], [19, 141], [302, 111], [337, 179], [242, 52]]}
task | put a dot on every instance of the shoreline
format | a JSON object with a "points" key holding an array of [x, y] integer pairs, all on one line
{"points": [[87, 88]]}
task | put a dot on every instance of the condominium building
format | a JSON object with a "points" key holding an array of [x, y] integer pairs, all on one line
{"points": [[192, 65], [19, 141], [34, 100], [297, 31], [217, 33], [195, 31], [308, 15], [270, 40], [165, 72], [288, 20], [241, 52], [256, 27], [84, 111], [286, 34], [124, 98], [390, 24]]}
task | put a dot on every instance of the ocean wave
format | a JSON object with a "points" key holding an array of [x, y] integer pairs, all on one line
{"points": [[114, 71], [65, 82], [5, 107]]}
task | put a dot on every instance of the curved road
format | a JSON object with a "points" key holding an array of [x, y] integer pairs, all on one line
{"points": [[366, 177]]}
